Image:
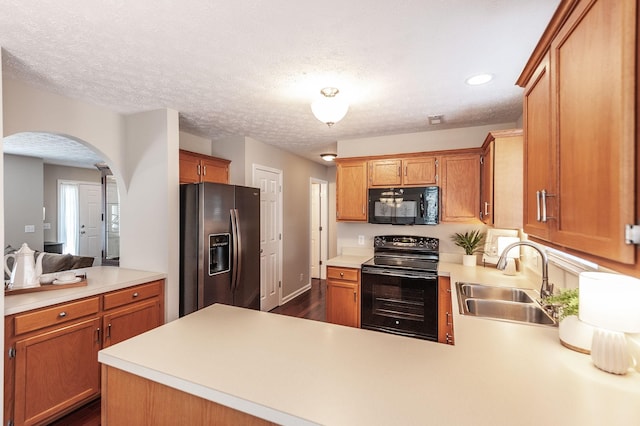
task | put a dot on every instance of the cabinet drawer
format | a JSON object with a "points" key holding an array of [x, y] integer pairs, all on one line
{"points": [[56, 315], [347, 274], [133, 294]]}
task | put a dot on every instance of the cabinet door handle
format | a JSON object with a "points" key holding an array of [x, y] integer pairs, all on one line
{"points": [[448, 318], [109, 331], [544, 195], [98, 334], [62, 314], [341, 274], [135, 295], [199, 170], [204, 170], [405, 170], [399, 170], [538, 216], [355, 299], [486, 208]]}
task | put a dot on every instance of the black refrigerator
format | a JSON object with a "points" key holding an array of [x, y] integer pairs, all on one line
{"points": [[219, 246]]}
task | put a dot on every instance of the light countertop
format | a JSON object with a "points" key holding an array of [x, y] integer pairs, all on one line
{"points": [[498, 373], [351, 257], [100, 279]]}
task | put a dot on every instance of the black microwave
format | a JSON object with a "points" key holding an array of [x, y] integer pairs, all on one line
{"points": [[404, 206]]}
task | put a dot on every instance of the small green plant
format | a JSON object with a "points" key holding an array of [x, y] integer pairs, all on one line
{"points": [[567, 302], [471, 241]]}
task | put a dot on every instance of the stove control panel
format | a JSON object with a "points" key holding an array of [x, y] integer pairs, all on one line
{"points": [[406, 241]]}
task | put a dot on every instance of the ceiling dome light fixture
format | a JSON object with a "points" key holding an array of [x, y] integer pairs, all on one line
{"points": [[329, 108], [479, 79], [328, 157]]}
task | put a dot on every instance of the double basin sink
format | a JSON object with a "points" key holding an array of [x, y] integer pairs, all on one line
{"points": [[502, 303]]}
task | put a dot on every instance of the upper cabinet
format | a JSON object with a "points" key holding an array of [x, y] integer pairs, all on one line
{"points": [[501, 179], [580, 129], [457, 172], [196, 168], [460, 184], [539, 163], [412, 171], [351, 190]]}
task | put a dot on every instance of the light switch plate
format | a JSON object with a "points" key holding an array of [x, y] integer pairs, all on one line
{"points": [[29, 228]]}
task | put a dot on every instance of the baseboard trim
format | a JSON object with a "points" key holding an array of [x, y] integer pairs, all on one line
{"points": [[296, 293]]}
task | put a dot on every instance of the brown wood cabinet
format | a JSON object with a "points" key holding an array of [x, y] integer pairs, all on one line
{"points": [[539, 165], [460, 185], [420, 170], [52, 353], [445, 312], [132, 311], [588, 193], [501, 179], [122, 393], [196, 168], [351, 190], [343, 296]]}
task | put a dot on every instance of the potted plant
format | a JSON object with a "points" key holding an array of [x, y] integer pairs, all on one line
{"points": [[471, 243], [573, 333]]}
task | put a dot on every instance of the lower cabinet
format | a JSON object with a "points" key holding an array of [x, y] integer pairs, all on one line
{"points": [[52, 353], [343, 296], [445, 314], [56, 370]]}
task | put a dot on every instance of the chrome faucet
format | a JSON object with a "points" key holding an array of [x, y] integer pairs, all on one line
{"points": [[546, 289]]}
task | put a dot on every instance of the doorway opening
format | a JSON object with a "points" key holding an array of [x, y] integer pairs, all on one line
{"points": [[319, 231], [80, 218]]}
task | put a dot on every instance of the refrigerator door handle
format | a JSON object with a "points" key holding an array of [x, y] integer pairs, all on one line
{"points": [[239, 252], [235, 242]]}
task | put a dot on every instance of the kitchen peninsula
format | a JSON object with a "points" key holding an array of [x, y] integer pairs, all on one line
{"points": [[497, 373]]}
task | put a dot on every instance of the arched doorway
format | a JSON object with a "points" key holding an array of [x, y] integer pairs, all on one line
{"points": [[60, 195]]}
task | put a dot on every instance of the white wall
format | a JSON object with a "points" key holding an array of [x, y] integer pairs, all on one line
{"points": [[469, 137], [150, 208], [436, 140], [195, 143], [142, 152], [233, 148], [23, 201]]}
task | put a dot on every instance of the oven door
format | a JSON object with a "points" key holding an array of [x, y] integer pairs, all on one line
{"points": [[402, 302]]}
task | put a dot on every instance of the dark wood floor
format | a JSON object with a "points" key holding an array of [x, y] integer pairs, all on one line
{"points": [[309, 305]]}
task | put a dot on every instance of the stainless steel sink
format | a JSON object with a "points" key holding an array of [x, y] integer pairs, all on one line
{"points": [[502, 303], [479, 291]]}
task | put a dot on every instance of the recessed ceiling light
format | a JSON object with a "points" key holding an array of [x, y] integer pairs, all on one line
{"points": [[479, 79]]}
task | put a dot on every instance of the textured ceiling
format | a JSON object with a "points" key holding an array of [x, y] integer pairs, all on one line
{"points": [[252, 67]]}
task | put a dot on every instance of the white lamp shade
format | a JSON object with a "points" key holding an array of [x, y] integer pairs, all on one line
{"points": [[610, 301], [329, 110]]}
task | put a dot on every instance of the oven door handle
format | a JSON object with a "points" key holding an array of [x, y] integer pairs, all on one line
{"points": [[399, 274]]}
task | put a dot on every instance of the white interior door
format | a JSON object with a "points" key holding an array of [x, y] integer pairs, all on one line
{"points": [[270, 183], [315, 230], [89, 218], [319, 228]]}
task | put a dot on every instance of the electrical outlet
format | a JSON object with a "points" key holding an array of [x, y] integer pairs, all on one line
{"points": [[29, 228], [361, 240], [46, 226], [301, 277]]}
